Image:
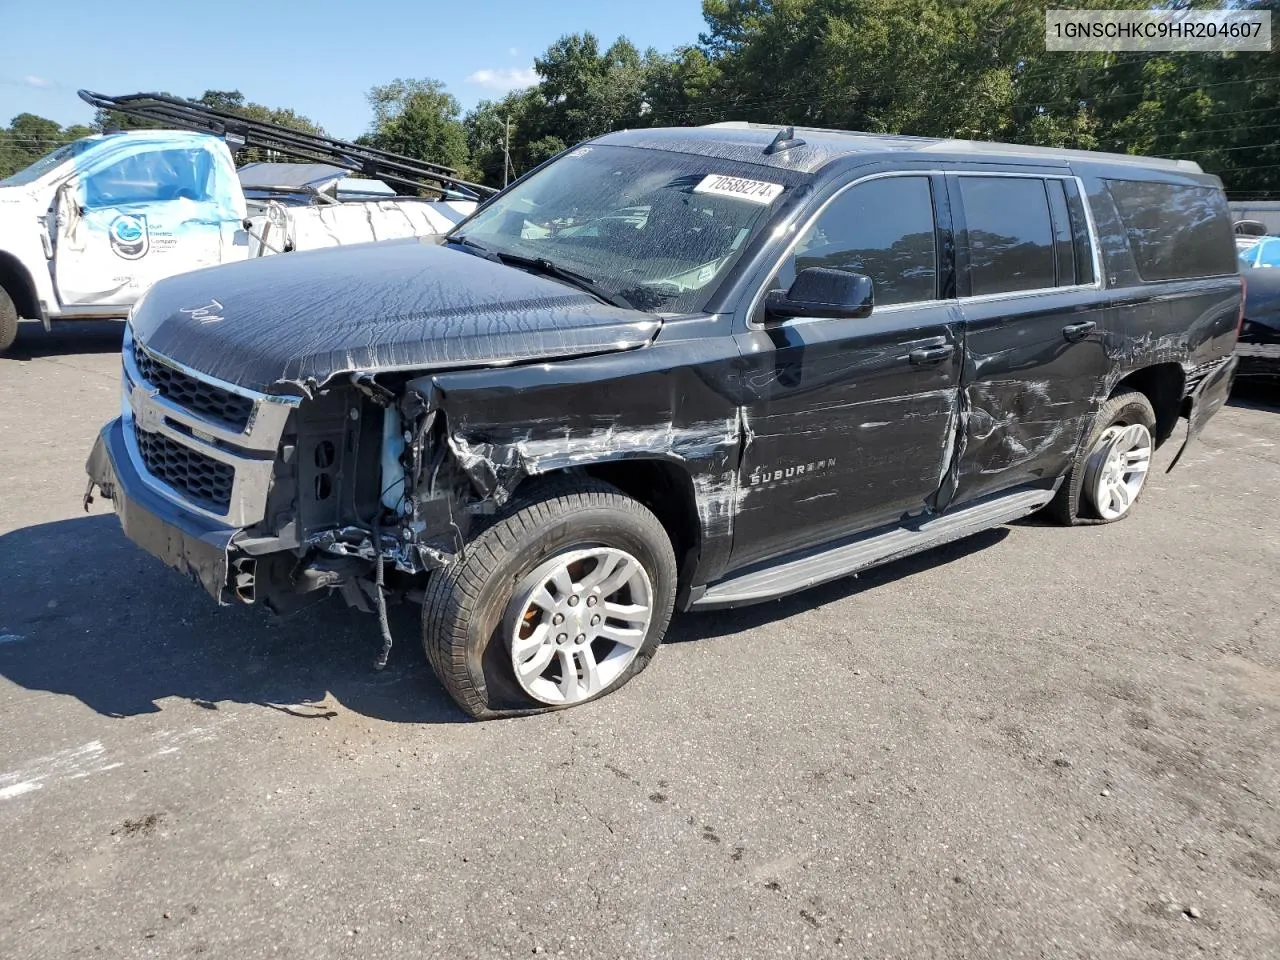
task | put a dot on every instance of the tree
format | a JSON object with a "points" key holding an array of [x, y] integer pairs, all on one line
{"points": [[29, 137], [488, 126], [419, 119], [585, 93]]}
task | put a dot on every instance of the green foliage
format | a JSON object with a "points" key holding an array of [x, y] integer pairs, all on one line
{"points": [[973, 69], [28, 137], [418, 118], [979, 70], [939, 68], [582, 92]]}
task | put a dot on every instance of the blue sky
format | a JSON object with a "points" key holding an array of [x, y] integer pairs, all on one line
{"points": [[317, 57]]}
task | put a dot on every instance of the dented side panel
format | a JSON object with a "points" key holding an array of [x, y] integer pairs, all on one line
{"points": [[1029, 392], [677, 401]]}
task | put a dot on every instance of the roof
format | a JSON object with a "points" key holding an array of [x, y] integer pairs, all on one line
{"points": [[364, 187], [745, 142], [263, 175]]}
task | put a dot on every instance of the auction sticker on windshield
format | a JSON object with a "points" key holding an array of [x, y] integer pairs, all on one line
{"points": [[753, 191]]}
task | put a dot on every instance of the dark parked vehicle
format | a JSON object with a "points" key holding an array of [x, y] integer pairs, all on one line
{"points": [[672, 369], [1259, 346]]}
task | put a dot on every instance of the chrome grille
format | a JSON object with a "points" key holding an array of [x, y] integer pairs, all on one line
{"points": [[204, 399], [203, 479]]}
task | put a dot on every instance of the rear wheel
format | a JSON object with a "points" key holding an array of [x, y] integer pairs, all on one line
{"points": [[8, 320], [1110, 470], [560, 601]]}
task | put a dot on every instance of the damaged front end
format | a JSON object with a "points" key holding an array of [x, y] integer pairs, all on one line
{"points": [[281, 500]]}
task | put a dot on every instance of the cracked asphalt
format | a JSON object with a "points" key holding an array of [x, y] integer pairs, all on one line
{"points": [[1037, 742]]}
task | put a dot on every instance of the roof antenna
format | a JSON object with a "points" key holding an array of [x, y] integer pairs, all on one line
{"points": [[785, 140]]}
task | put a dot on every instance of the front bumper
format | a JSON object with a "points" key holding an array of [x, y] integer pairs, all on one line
{"points": [[189, 543]]}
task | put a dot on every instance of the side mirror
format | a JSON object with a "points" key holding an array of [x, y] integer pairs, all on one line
{"points": [[822, 292]]}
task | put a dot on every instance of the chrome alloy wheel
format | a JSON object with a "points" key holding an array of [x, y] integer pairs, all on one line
{"points": [[1118, 468], [577, 622]]}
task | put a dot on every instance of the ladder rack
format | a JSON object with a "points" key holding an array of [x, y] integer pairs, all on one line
{"points": [[405, 174]]}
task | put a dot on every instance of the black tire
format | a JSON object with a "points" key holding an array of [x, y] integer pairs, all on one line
{"points": [[465, 603], [8, 321], [1072, 506]]}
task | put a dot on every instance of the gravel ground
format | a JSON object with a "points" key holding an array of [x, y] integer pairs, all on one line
{"points": [[1037, 742]]}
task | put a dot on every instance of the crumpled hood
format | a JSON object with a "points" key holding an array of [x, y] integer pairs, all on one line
{"points": [[303, 318]]}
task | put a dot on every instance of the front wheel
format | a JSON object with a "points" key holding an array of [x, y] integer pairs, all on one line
{"points": [[560, 601], [8, 321]]}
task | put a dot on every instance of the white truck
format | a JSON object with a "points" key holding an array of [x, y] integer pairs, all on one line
{"points": [[87, 229]]}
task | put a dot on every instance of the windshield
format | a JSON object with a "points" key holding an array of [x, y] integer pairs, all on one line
{"points": [[46, 163], [654, 228]]}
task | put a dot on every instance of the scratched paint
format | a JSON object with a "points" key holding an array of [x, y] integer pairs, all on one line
{"points": [[72, 763], [527, 377]]}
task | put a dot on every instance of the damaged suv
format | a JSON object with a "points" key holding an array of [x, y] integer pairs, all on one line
{"points": [[672, 369]]}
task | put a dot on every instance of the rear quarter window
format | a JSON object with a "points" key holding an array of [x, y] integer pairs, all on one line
{"points": [[1176, 231]]}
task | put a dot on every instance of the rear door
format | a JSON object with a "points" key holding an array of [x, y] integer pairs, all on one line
{"points": [[146, 212], [1036, 327], [851, 421]]}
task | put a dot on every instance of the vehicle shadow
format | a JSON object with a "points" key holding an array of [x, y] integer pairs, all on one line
{"points": [[724, 623], [72, 336], [1255, 395], [86, 614]]}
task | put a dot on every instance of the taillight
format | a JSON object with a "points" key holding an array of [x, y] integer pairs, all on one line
{"points": [[1244, 289]]}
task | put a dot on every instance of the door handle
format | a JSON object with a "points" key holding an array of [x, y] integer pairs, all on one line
{"points": [[922, 355], [1078, 331]]}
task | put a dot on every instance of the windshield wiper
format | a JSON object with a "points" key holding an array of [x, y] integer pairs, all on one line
{"points": [[545, 267], [480, 249], [548, 269]]}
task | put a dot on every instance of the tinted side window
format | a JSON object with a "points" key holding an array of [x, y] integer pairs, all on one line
{"points": [[1175, 231], [1008, 234], [881, 228]]}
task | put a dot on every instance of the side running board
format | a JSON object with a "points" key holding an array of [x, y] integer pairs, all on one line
{"points": [[813, 567]]}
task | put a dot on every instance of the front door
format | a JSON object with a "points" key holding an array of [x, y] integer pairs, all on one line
{"points": [[850, 422], [149, 212]]}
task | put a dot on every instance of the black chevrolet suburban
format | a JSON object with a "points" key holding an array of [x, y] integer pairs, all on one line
{"points": [[672, 369]]}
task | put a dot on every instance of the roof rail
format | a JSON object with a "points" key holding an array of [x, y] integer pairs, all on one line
{"points": [[406, 174], [949, 144]]}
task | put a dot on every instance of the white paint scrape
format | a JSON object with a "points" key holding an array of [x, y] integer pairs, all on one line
{"points": [[18, 789], [72, 763]]}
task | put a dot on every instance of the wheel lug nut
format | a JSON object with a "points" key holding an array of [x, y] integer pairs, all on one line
{"points": [[558, 619], [591, 601], [580, 638], [595, 621], [573, 601], [562, 638]]}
